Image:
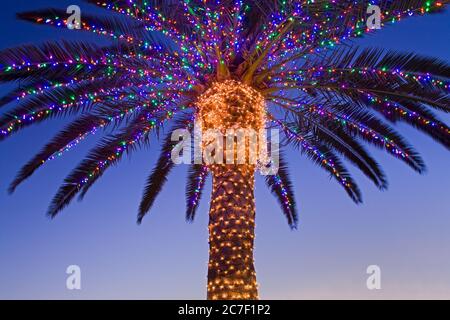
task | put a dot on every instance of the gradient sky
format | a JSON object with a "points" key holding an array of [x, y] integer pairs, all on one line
{"points": [[405, 230]]}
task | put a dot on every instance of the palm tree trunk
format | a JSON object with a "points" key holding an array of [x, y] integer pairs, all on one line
{"points": [[231, 270]]}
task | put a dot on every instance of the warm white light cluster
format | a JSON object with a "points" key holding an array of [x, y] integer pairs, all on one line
{"points": [[231, 105], [232, 118]]}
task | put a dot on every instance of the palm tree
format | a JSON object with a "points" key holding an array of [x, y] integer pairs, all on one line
{"points": [[226, 63]]}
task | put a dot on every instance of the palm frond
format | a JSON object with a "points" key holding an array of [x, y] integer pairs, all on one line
{"points": [[74, 133], [115, 27], [106, 154], [164, 165], [152, 13], [367, 127], [63, 102], [321, 155], [334, 137], [56, 61], [281, 187], [194, 189], [372, 79]]}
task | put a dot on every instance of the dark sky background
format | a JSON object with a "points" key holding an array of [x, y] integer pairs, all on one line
{"points": [[406, 230]]}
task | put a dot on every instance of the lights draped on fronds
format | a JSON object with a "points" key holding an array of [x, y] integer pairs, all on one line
{"points": [[282, 188], [164, 165], [194, 189], [326, 96]]}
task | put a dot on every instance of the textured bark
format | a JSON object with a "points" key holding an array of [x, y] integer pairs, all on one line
{"points": [[231, 105], [231, 270]]}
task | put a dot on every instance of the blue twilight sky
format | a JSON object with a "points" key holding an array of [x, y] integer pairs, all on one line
{"points": [[406, 230]]}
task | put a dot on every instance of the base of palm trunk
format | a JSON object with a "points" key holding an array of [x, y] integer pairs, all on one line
{"points": [[231, 270]]}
